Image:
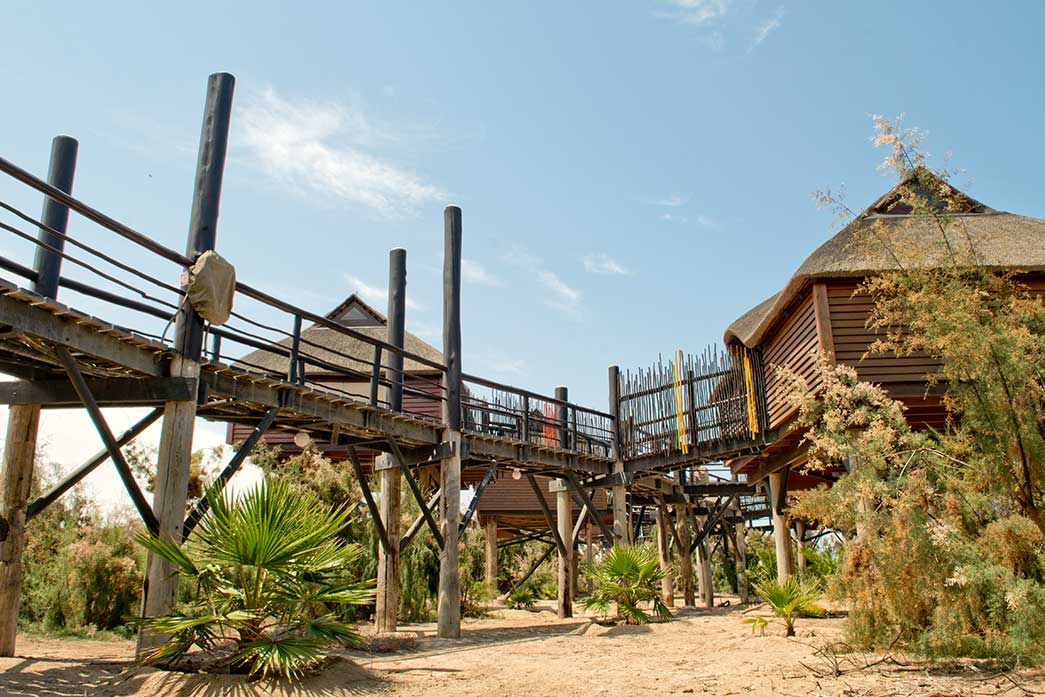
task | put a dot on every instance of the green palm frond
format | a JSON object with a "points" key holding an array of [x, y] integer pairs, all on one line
{"points": [[269, 568], [628, 576]]}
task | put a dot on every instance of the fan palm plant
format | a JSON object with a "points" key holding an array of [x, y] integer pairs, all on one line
{"points": [[790, 600], [269, 571], [627, 576]]}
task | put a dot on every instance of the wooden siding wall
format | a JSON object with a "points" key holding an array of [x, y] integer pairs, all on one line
{"points": [[793, 344], [852, 338], [506, 495]]}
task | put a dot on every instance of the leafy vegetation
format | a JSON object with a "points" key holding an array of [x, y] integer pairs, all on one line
{"points": [[947, 537], [627, 577], [790, 599], [268, 568]]}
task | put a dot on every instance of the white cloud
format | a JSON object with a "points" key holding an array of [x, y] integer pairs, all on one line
{"points": [[563, 297], [673, 201], [473, 272], [697, 13], [315, 148], [375, 295], [767, 27], [601, 262], [673, 218]]}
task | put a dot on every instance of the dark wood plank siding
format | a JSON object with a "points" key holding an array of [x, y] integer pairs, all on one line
{"points": [[791, 344], [852, 339], [424, 406], [505, 495]]}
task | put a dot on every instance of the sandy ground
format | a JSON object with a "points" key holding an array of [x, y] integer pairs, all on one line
{"points": [[515, 652]]}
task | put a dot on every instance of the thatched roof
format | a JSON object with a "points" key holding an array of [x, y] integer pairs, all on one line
{"points": [[994, 239], [360, 317]]}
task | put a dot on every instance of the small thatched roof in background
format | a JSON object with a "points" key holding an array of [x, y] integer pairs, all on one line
{"points": [[995, 239], [360, 317]]}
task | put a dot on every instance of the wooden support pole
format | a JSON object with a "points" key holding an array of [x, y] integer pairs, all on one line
{"points": [[684, 524], [589, 552], [740, 542], [563, 518], [175, 450], [781, 527], [490, 560], [800, 544], [449, 620], [386, 614], [619, 492], [707, 589], [667, 584], [23, 421]]}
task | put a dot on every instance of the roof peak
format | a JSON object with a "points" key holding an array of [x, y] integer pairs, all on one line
{"points": [[353, 311], [922, 183]]}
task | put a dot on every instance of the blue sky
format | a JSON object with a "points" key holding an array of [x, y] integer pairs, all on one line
{"points": [[633, 175]]}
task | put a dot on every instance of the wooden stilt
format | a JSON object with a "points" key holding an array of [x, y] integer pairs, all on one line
{"points": [[564, 521], [667, 584], [684, 522], [589, 554], [800, 544], [174, 457], [386, 614], [450, 516], [490, 566], [449, 624], [781, 528], [23, 420], [23, 423], [740, 542], [707, 588]]}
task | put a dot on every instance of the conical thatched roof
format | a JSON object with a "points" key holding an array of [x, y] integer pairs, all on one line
{"points": [[993, 239], [360, 317]]}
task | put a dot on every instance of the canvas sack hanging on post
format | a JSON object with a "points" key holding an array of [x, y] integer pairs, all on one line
{"points": [[210, 285]]}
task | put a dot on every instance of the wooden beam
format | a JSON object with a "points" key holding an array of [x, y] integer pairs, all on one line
{"points": [[77, 475], [368, 496], [822, 313], [56, 324], [108, 392], [548, 519], [415, 527], [415, 489], [245, 449], [93, 410], [491, 470], [607, 533], [720, 489]]}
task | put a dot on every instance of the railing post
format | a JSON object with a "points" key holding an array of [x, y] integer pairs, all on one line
{"points": [[397, 325], [562, 414], [524, 423], [23, 420], [295, 349], [691, 391], [175, 450], [449, 620]]}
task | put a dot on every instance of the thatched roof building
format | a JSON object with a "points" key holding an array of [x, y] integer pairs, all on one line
{"points": [[342, 350], [997, 239]]}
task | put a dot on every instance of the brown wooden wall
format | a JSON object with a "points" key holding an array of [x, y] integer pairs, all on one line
{"points": [[849, 314], [791, 344], [506, 495]]}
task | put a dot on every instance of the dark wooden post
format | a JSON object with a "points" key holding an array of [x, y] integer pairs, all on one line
{"points": [[564, 514], [23, 420], [450, 504], [800, 544], [175, 450], [740, 542], [619, 491], [391, 477]]}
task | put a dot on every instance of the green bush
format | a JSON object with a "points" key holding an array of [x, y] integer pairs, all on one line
{"points": [[627, 576], [269, 568]]}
